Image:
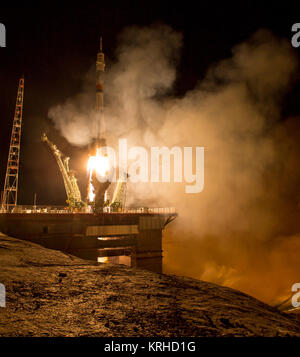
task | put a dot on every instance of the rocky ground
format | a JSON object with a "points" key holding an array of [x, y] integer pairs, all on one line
{"points": [[49, 293]]}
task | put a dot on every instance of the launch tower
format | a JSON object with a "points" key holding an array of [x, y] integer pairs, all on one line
{"points": [[10, 193]]}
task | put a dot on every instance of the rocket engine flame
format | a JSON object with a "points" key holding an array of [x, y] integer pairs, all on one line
{"points": [[98, 164]]}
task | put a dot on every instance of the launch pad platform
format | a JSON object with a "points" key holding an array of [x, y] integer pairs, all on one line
{"points": [[136, 234]]}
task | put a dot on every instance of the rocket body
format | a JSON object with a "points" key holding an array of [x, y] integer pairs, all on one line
{"points": [[98, 161], [100, 69]]}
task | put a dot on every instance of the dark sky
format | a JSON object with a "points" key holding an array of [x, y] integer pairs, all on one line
{"points": [[55, 45]]}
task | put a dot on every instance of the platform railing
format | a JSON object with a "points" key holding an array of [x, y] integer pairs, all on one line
{"points": [[67, 210]]}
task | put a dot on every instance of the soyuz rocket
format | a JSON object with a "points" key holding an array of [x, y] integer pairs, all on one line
{"points": [[97, 189], [100, 69]]}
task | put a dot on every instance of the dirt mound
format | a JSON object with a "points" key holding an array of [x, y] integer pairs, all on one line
{"points": [[49, 293]]}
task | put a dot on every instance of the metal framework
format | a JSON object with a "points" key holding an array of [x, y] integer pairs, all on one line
{"points": [[70, 181], [10, 193], [119, 197]]}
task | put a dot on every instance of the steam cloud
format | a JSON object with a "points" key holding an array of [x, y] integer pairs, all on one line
{"points": [[241, 231]]}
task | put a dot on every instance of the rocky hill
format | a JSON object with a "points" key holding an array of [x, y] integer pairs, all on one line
{"points": [[49, 293]]}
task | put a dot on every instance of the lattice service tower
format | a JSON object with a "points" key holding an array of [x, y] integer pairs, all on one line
{"points": [[10, 193]]}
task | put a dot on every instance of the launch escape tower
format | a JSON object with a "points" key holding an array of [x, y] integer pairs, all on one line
{"points": [[10, 193]]}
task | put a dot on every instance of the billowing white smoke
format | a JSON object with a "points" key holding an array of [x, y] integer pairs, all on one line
{"points": [[222, 233], [145, 69]]}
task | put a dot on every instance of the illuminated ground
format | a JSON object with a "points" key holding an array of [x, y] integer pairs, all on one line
{"points": [[53, 294]]}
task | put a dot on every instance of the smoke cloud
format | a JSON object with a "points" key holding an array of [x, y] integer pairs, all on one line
{"points": [[242, 230]]}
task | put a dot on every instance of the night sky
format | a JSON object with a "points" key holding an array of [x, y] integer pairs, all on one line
{"points": [[55, 45]]}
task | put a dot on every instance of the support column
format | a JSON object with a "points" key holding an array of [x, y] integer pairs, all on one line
{"points": [[148, 253]]}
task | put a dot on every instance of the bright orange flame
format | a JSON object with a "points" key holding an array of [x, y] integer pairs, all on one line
{"points": [[91, 193], [100, 165]]}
